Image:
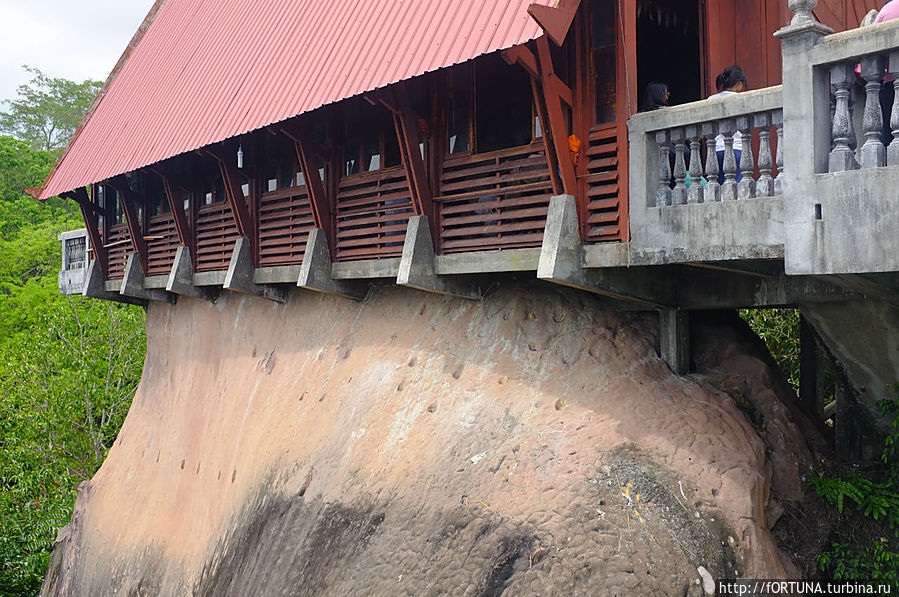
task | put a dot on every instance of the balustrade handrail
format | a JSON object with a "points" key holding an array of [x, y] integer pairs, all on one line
{"points": [[853, 44], [719, 108]]}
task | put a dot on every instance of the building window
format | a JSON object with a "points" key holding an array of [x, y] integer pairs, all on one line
{"points": [[282, 168], [500, 98], [369, 141], [603, 59]]}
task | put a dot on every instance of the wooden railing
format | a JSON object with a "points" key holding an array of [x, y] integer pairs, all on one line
{"points": [[216, 235], [602, 188], [373, 211], [495, 200], [118, 247], [285, 219], [162, 244]]}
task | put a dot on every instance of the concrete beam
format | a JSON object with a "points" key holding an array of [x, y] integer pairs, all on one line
{"points": [[95, 287], [181, 278], [562, 262], [133, 284], [239, 277], [315, 272], [418, 267], [674, 339]]}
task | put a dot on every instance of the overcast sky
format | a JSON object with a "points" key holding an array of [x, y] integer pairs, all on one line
{"points": [[74, 39]]}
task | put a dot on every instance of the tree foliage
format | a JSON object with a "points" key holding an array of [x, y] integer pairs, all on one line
{"points": [[48, 110], [68, 369]]}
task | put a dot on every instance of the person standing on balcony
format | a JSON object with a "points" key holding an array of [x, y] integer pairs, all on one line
{"points": [[654, 97], [732, 80]]}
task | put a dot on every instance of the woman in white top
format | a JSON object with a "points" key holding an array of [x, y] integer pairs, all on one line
{"points": [[729, 82]]}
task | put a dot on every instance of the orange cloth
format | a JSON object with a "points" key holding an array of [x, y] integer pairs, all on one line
{"points": [[574, 148]]}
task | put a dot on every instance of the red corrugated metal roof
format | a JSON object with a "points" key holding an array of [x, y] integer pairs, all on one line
{"points": [[207, 70]]}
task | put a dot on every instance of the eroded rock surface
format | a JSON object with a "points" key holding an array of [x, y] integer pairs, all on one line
{"points": [[415, 444]]}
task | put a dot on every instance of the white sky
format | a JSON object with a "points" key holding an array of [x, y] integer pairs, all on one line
{"points": [[74, 39]]}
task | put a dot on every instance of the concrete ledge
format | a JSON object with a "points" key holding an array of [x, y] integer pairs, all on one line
{"points": [[418, 265], [282, 274], [748, 102], [850, 45], [156, 282], [604, 255], [488, 262], [209, 278], [239, 277], [365, 270], [133, 284], [111, 286]]}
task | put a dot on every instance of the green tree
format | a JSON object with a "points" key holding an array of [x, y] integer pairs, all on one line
{"points": [[48, 110]]}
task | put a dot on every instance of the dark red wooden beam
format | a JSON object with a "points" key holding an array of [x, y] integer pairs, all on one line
{"points": [[555, 93], [233, 191], [406, 123], [555, 21], [89, 211], [129, 200], [182, 226]]}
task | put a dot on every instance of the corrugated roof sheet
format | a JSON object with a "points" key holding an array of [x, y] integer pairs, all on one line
{"points": [[207, 70]]}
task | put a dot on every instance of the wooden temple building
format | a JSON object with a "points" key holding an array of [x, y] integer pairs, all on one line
{"points": [[254, 146]]}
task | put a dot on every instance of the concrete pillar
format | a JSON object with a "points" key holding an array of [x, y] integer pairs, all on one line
{"points": [[181, 278], [315, 272], [240, 275], [417, 269], [674, 339], [95, 287], [133, 284]]}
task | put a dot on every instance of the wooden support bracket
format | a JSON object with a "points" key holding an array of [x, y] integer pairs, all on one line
{"points": [[242, 220], [555, 21], [182, 225], [129, 200]]}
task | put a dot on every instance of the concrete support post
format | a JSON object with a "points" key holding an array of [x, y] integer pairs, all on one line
{"points": [[562, 262], [240, 275], [806, 137], [808, 368], [417, 269], [181, 278], [315, 272], [133, 284], [674, 339], [95, 287]]}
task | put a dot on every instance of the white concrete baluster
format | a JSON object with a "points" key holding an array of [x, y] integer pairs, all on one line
{"points": [[746, 186], [893, 149], [802, 11], [764, 186], [777, 119], [841, 158], [679, 192], [694, 194], [712, 190], [873, 153], [729, 188], [663, 195]]}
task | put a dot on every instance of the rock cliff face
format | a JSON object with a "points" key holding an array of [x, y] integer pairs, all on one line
{"points": [[415, 444]]}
